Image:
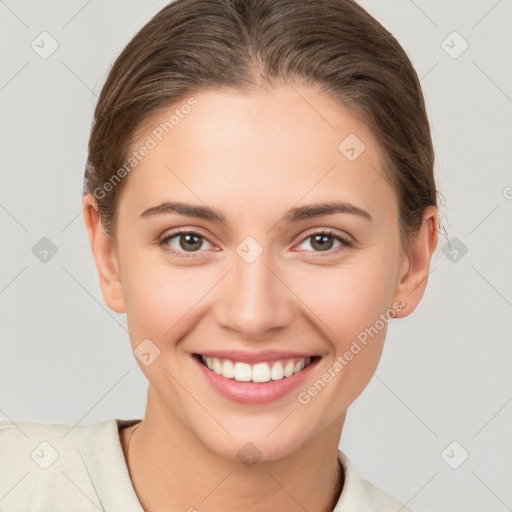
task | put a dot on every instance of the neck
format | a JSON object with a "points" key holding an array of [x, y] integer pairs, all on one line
{"points": [[172, 470]]}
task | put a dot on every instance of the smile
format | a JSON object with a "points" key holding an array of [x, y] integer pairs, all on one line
{"points": [[260, 372]]}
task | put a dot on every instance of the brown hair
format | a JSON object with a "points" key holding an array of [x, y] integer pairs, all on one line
{"points": [[245, 45]]}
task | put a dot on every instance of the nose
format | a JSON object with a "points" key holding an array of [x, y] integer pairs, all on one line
{"points": [[255, 301]]}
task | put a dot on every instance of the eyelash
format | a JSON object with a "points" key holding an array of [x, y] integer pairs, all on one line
{"points": [[163, 242]]}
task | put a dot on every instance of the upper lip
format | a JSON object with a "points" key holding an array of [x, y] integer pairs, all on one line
{"points": [[254, 357]]}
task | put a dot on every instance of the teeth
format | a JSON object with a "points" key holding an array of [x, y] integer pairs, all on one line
{"points": [[288, 369], [217, 367], [242, 372], [277, 372], [228, 369], [260, 372]]}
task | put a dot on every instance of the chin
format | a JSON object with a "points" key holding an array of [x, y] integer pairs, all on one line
{"points": [[253, 445]]}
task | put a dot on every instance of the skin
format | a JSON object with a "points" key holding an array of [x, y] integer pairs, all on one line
{"points": [[230, 153]]}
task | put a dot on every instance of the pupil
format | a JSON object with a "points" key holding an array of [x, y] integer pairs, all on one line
{"points": [[189, 240], [323, 241]]}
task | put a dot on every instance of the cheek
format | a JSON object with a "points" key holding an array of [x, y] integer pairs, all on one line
{"points": [[160, 299], [163, 299], [347, 299], [349, 309]]}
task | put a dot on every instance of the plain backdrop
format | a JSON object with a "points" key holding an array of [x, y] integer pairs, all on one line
{"points": [[433, 426]]}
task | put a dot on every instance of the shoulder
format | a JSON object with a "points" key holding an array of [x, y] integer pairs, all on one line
{"points": [[360, 495], [42, 466]]}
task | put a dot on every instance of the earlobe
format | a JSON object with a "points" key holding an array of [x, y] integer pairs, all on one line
{"points": [[411, 286], [105, 257]]}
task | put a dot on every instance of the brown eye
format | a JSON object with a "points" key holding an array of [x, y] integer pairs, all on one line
{"points": [[183, 242], [190, 241], [322, 242], [325, 241]]}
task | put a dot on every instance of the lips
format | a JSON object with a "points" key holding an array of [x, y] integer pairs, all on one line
{"points": [[259, 391]]}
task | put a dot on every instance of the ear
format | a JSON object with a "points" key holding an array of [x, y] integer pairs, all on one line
{"points": [[416, 264], [105, 256]]}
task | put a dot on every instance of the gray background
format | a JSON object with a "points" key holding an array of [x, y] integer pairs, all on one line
{"points": [[445, 374]]}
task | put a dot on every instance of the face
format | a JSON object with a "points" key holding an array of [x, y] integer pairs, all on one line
{"points": [[253, 272]]}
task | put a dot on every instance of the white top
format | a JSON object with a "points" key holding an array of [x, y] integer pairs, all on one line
{"points": [[59, 467]]}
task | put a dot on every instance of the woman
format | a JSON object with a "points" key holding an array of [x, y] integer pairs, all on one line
{"points": [[260, 202]]}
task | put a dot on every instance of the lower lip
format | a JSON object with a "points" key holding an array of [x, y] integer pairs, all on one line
{"points": [[254, 392]]}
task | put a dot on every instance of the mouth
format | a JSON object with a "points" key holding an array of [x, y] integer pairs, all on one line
{"points": [[258, 373], [258, 380]]}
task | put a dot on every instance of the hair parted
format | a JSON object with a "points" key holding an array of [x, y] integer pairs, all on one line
{"points": [[248, 45]]}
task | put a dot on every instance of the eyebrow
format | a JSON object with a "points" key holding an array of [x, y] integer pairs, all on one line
{"points": [[292, 215]]}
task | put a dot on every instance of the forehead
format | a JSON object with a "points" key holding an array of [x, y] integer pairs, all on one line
{"points": [[267, 150]]}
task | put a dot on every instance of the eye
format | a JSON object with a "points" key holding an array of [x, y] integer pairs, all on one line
{"points": [[182, 242], [323, 241], [188, 241]]}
